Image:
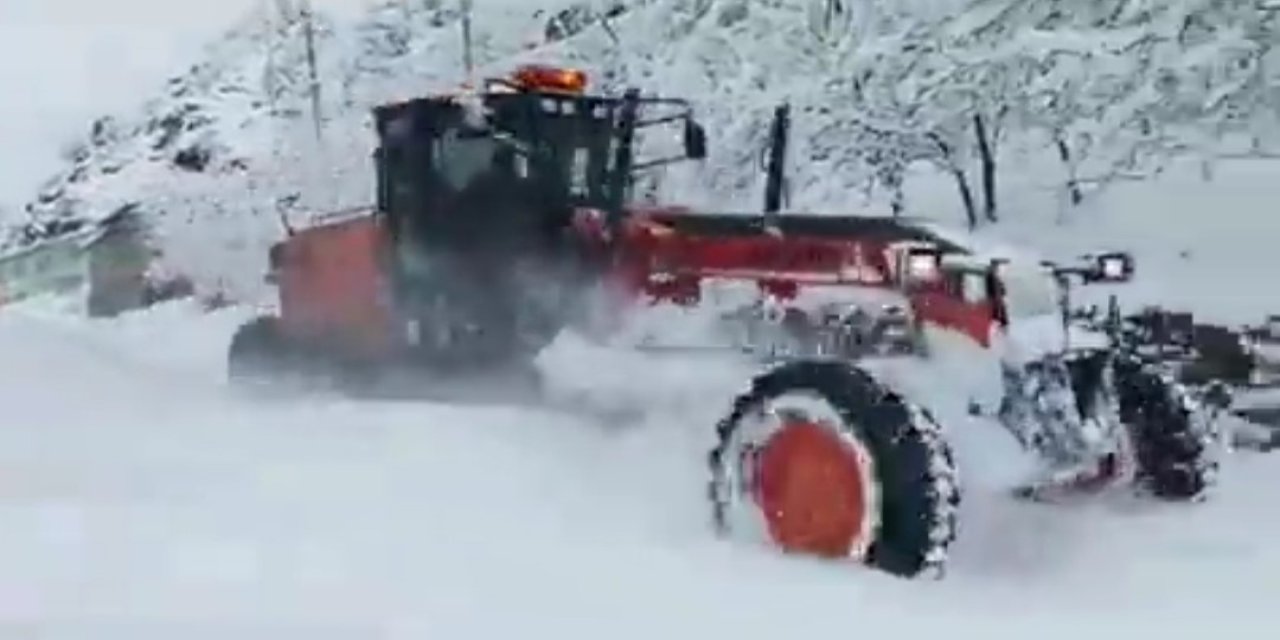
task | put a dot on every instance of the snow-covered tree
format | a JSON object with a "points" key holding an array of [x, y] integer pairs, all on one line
{"points": [[1112, 87]]}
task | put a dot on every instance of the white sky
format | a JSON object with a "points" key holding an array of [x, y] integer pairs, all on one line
{"points": [[64, 62]]}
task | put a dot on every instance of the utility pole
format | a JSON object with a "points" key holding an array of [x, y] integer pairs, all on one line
{"points": [[308, 26], [468, 63], [271, 21]]}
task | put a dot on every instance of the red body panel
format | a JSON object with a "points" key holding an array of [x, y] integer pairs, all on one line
{"points": [[331, 285], [666, 266], [946, 310]]}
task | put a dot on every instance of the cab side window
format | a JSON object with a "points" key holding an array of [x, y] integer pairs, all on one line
{"points": [[402, 161], [973, 287]]}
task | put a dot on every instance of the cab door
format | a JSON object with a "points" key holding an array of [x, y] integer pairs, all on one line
{"points": [[958, 301], [974, 311]]}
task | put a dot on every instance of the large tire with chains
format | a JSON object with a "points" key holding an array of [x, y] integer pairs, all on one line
{"points": [[893, 464], [1173, 438]]}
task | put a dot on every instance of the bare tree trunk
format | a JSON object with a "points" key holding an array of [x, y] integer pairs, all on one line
{"points": [[987, 157], [890, 173], [1073, 184], [962, 181], [966, 196], [892, 180]]}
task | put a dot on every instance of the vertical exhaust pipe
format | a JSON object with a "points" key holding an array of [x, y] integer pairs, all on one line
{"points": [[775, 169], [624, 158]]}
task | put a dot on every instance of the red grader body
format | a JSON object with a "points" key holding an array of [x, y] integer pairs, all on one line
{"points": [[506, 216]]}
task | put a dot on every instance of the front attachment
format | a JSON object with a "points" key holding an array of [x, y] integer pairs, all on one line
{"points": [[817, 458], [1063, 407], [1101, 419], [1176, 439]]}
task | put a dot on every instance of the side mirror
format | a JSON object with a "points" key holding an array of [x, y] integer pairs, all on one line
{"points": [[1111, 268], [695, 140]]}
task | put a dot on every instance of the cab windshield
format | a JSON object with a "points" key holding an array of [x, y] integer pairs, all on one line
{"points": [[427, 151]]}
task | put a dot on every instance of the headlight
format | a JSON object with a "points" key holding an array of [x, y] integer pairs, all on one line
{"points": [[1112, 267]]}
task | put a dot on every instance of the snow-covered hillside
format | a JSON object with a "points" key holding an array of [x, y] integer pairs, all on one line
{"points": [[69, 61], [882, 91]]}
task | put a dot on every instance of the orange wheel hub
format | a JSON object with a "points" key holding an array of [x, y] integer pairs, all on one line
{"points": [[811, 490]]}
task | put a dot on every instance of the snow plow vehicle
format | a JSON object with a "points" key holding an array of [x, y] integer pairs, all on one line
{"points": [[505, 217]]}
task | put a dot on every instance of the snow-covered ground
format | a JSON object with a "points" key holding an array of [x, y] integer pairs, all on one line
{"points": [[141, 498]]}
